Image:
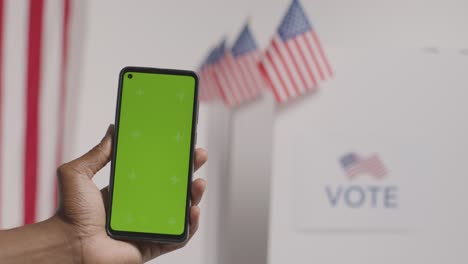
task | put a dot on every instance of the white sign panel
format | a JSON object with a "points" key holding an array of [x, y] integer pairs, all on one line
{"points": [[381, 140]]}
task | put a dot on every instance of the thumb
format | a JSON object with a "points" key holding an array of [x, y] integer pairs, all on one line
{"points": [[96, 158]]}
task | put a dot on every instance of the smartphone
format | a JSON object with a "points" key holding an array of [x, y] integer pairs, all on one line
{"points": [[153, 152]]}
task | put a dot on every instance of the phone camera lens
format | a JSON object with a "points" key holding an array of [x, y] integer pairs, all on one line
{"points": [[130, 76]]}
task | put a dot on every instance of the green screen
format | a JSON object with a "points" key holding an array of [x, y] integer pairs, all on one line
{"points": [[153, 153]]}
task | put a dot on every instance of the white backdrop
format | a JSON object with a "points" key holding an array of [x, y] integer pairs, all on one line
{"points": [[363, 40]]}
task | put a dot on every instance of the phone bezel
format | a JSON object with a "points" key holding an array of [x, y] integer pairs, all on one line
{"points": [[167, 238]]}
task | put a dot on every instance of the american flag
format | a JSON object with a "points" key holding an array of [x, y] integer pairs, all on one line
{"points": [[240, 78], [220, 71], [353, 165], [295, 63], [35, 102], [209, 85]]}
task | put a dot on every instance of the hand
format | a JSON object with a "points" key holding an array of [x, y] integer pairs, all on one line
{"points": [[83, 216]]}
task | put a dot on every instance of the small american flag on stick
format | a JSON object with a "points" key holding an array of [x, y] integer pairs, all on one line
{"points": [[240, 78], [209, 85], [295, 62]]}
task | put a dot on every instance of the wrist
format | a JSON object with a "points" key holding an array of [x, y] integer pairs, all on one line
{"points": [[50, 241], [68, 236]]}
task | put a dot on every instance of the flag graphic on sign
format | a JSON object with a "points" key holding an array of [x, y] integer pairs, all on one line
{"points": [[209, 85], [295, 62], [354, 165]]}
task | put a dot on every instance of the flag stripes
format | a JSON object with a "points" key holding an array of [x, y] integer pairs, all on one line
{"points": [[274, 72], [52, 103], [371, 165], [295, 51], [295, 65], [14, 111], [36, 8], [33, 92], [227, 71], [238, 79], [245, 56], [251, 65], [294, 61], [62, 90], [324, 60], [209, 83]]}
